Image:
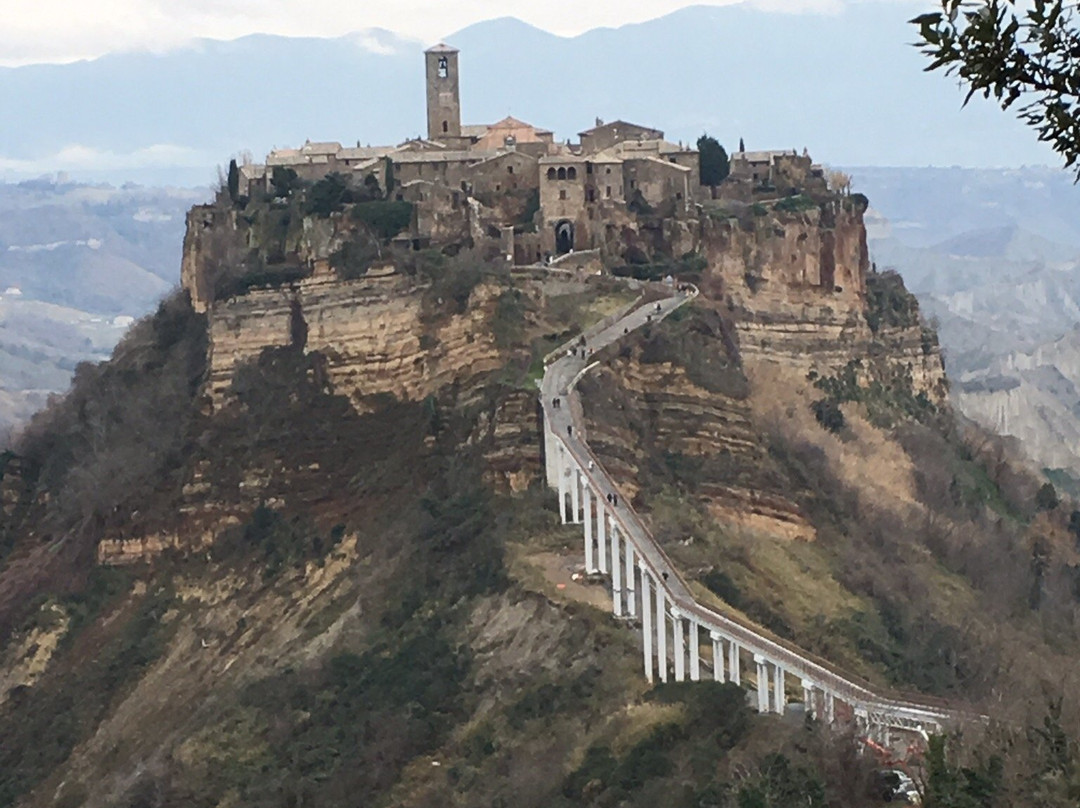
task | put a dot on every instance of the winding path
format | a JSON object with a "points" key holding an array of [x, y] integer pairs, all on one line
{"points": [[648, 589]]}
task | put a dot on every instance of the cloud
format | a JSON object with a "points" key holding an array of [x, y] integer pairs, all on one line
{"points": [[68, 30], [77, 158]]}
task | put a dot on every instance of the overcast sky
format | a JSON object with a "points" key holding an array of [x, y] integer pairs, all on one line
{"points": [[67, 30]]}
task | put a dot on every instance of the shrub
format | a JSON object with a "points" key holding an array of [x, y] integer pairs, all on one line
{"points": [[720, 584], [828, 414], [384, 219], [1046, 499], [284, 181], [889, 303], [328, 195], [799, 203]]}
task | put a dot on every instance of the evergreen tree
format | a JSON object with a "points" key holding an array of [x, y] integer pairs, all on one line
{"points": [[234, 181], [742, 146], [713, 160]]}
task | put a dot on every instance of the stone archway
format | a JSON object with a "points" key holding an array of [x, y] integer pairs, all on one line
{"points": [[564, 237]]}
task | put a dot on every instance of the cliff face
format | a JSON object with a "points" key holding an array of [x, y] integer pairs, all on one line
{"points": [[376, 336]]}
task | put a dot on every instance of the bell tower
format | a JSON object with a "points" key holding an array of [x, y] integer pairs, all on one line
{"points": [[443, 93]]}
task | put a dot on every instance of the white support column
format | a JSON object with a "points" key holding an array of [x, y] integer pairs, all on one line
{"points": [[717, 656], [616, 569], [695, 652], [808, 698], [661, 631], [562, 483], [575, 491], [601, 534], [762, 683], [646, 621], [586, 501], [631, 595], [830, 708], [680, 649], [734, 663], [779, 697]]}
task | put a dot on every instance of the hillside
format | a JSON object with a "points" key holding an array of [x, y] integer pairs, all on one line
{"points": [[77, 264], [298, 548]]}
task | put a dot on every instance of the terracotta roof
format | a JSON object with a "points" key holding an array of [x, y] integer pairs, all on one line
{"points": [[329, 147], [502, 154], [365, 152], [475, 130], [650, 159], [442, 156], [604, 156], [763, 156], [616, 125]]}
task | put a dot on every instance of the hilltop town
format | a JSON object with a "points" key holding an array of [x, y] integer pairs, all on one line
{"points": [[541, 197]]}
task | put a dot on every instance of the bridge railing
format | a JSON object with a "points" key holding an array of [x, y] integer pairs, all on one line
{"points": [[850, 688]]}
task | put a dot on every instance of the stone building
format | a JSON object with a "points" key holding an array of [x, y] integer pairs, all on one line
{"points": [[511, 175]]}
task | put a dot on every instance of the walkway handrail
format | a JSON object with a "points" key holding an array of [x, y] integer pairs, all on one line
{"points": [[852, 689]]}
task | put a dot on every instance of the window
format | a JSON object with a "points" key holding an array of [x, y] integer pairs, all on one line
{"points": [[445, 126], [672, 159], [588, 168], [590, 195], [562, 194], [551, 173], [633, 183], [498, 187], [678, 195], [608, 193], [571, 173], [444, 68], [562, 173], [509, 169]]}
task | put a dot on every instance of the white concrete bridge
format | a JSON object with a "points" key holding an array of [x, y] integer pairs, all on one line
{"points": [[647, 590]]}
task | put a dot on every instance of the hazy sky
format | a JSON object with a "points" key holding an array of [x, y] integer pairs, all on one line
{"points": [[66, 30]]}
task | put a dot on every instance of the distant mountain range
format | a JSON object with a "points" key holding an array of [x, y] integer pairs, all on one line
{"points": [[848, 85]]}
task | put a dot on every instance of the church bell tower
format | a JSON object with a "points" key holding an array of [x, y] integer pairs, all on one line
{"points": [[443, 93]]}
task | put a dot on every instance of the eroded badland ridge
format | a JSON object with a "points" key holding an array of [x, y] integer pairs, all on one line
{"points": [[293, 543]]}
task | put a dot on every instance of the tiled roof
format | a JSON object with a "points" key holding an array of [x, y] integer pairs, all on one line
{"points": [[441, 156], [442, 47]]}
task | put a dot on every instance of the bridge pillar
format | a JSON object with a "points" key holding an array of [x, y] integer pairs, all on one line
{"points": [[616, 569], [631, 595], [575, 491], [680, 647], [695, 652], [586, 502], [717, 656], [646, 621], [830, 708], [562, 483], [661, 631], [808, 698], [762, 683], [734, 663], [779, 697], [601, 534]]}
